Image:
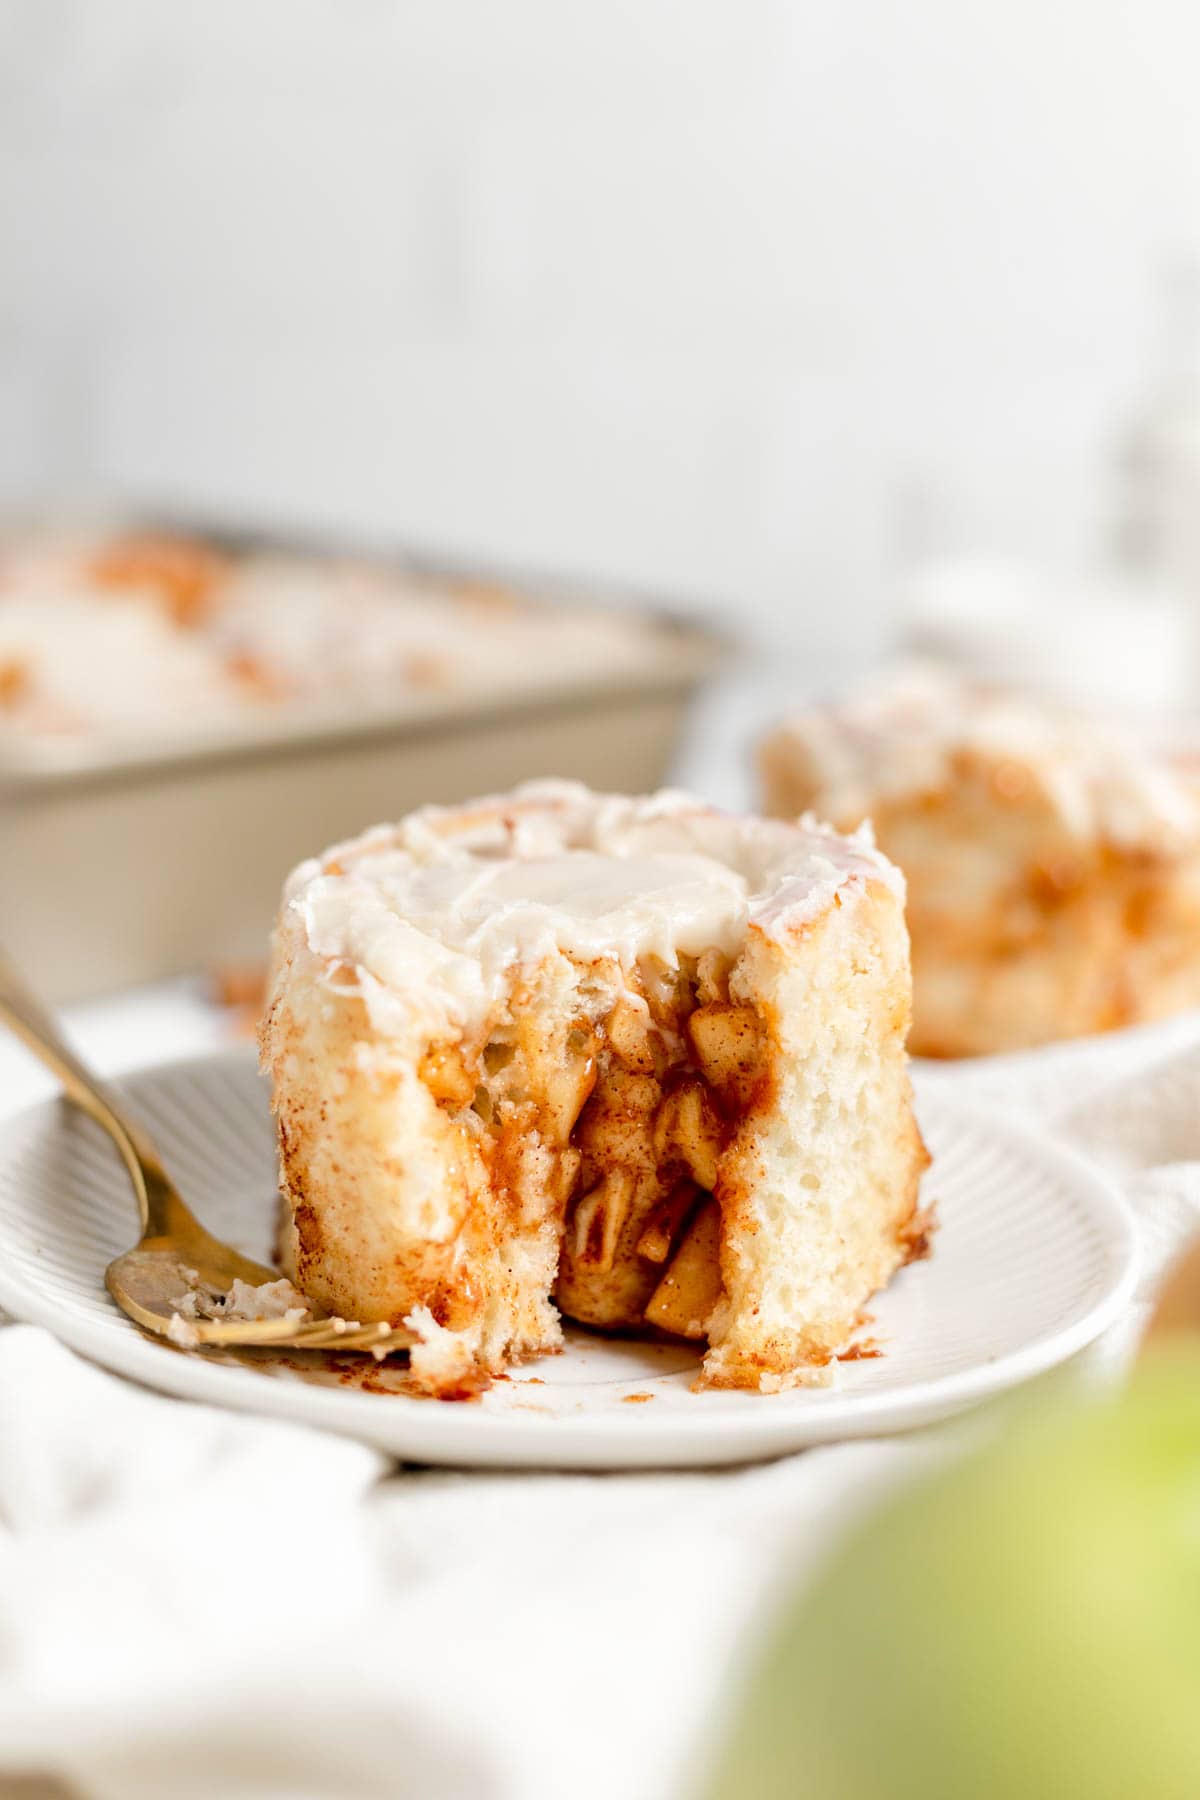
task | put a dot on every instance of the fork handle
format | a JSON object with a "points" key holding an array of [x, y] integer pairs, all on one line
{"points": [[24, 1013]]}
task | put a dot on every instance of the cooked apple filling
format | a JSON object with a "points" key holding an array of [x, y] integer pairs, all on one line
{"points": [[635, 1110]]}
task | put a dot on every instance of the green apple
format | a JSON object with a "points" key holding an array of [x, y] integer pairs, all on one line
{"points": [[1024, 1626]]}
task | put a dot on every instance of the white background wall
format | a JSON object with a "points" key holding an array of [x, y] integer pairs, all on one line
{"points": [[689, 291]]}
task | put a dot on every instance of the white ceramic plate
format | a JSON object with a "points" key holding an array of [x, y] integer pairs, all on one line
{"points": [[1034, 1257]]}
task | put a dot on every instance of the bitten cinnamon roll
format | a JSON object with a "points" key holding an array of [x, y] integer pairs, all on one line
{"points": [[635, 1062]]}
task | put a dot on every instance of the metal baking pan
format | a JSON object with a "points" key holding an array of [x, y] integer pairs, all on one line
{"points": [[123, 864]]}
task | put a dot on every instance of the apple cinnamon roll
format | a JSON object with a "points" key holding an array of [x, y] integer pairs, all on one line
{"points": [[1052, 857], [635, 1062]]}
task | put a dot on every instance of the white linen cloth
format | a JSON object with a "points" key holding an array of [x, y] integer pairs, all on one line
{"points": [[197, 1603]]}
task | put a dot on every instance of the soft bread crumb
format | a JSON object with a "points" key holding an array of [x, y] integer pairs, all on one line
{"points": [[441, 1360], [243, 1303]]}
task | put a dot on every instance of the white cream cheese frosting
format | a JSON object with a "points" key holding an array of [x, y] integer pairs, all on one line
{"points": [[81, 654], [896, 735], [446, 903], [84, 662]]}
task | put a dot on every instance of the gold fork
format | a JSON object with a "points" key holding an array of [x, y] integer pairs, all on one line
{"points": [[174, 1253]]}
